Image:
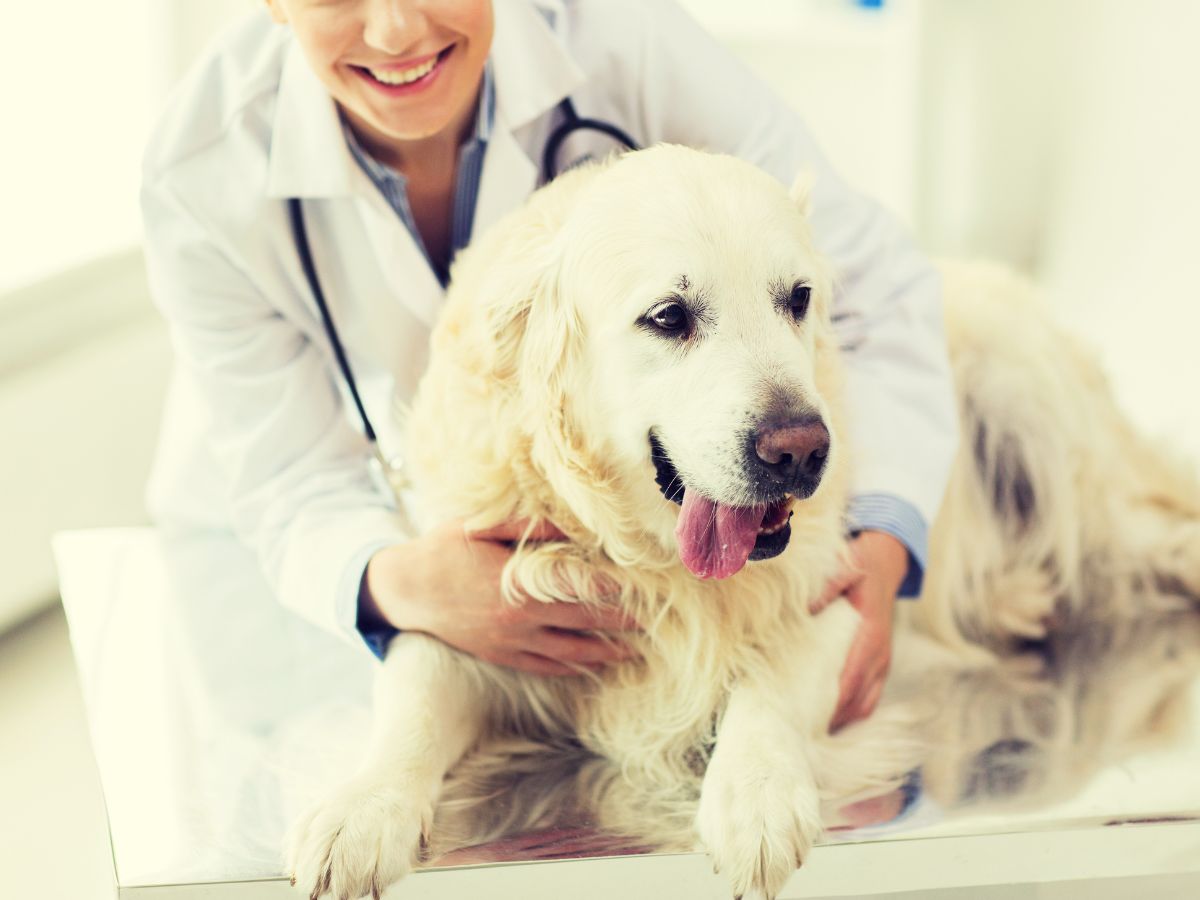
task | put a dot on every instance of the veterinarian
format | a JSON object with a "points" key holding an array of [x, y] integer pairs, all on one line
{"points": [[404, 127]]}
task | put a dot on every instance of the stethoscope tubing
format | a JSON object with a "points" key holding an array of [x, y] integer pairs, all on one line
{"points": [[571, 123], [300, 237]]}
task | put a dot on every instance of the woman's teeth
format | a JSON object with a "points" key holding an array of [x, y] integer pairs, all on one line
{"points": [[404, 76]]}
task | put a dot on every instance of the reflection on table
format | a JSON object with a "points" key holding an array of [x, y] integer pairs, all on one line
{"points": [[217, 716]]}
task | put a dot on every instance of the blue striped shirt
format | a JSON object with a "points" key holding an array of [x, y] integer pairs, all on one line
{"points": [[394, 186], [900, 519]]}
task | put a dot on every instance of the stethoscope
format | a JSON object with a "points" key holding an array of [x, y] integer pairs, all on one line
{"points": [[392, 467]]}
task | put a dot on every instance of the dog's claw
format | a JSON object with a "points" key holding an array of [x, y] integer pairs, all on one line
{"points": [[423, 843]]}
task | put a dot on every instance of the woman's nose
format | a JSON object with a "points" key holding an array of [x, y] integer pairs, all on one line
{"points": [[393, 26]]}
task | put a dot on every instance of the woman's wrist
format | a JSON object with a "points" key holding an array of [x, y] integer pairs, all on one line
{"points": [[885, 555], [370, 616], [388, 585]]}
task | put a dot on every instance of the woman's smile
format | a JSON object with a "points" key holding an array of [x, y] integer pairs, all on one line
{"points": [[405, 75], [408, 77]]}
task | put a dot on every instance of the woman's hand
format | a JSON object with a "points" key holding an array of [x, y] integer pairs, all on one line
{"points": [[870, 583], [447, 583]]}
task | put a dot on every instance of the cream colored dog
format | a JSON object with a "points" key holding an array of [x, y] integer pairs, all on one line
{"points": [[643, 355]]}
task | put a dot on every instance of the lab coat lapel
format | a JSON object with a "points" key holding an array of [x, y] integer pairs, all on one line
{"points": [[381, 293], [509, 176], [401, 262], [533, 73], [406, 289], [308, 155]]}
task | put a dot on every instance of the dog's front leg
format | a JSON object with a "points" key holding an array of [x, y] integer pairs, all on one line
{"points": [[759, 811], [428, 712]]}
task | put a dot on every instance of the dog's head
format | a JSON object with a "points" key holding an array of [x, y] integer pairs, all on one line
{"points": [[661, 324]]}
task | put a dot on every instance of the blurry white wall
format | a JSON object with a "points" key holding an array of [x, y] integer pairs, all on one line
{"points": [[76, 112], [1121, 238], [852, 72], [82, 88], [993, 92], [1063, 138], [182, 29]]}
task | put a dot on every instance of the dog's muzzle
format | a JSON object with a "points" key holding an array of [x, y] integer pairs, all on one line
{"points": [[769, 519]]}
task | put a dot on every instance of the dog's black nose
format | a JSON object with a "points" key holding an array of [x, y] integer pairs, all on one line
{"points": [[793, 453]]}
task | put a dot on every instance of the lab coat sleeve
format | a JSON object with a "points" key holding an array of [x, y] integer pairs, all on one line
{"points": [[888, 308], [299, 485]]}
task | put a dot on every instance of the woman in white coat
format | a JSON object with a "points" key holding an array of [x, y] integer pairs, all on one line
{"points": [[404, 126]]}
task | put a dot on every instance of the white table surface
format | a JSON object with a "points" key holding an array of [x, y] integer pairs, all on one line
{"points": [[215, 715]]}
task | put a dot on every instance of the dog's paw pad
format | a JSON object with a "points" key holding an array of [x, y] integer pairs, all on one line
{"points": [[758, 828], [358, 842]]}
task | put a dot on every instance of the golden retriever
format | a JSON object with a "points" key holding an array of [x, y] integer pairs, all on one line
{"points": [[643, 355]]}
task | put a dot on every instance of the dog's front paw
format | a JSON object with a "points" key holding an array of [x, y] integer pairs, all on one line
{"points": [[759, 817], [360, 840]]}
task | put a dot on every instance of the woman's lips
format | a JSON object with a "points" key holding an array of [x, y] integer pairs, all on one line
{"points": [[400, 81]]}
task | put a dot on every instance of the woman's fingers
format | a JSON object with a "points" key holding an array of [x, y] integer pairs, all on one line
{"points": [[527, 661], [537, 665], [836, 587], [871, 699], [851, 686], [582, 649], [581, 617], [514, 531], [860, 694], [863, 704]]}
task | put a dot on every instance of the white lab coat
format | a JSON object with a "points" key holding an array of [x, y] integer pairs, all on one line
{"points": [[258, 435]]}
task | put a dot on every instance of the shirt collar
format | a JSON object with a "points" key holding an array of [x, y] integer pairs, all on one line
{"points": [[530, 68]]}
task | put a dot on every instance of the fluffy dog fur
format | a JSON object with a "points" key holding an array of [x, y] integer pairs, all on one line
{"points": [[538, 404], [1021, 735]]}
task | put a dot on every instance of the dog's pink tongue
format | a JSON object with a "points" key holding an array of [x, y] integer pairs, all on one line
{"points": [[715, 540]]}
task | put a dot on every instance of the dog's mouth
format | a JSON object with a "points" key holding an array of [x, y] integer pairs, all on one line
{"points": [[717, 540]]}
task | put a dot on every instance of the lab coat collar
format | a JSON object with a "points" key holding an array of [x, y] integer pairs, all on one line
{"points": [[309, 156], [533, 71], [533, 74]]}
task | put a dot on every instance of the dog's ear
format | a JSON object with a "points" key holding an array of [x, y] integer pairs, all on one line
{"points": [[531, 327], [528, 330], [801, 191], [522, 334]]}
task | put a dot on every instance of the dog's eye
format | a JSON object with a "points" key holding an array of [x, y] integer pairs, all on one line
{"points": [[798, 303], [671, 319]]}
